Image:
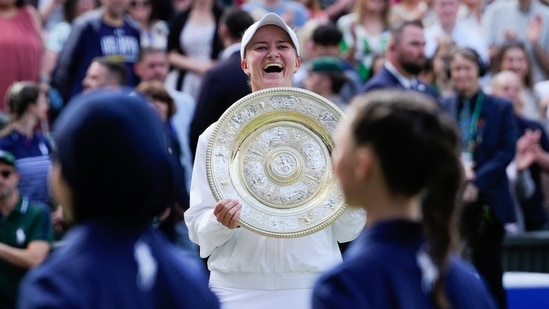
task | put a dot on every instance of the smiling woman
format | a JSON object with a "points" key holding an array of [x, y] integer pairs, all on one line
{"points": [[242, 262], [270, 62], [270, 53]]}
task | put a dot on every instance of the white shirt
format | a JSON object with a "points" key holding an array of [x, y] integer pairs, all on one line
{"points": [[242, 259]]}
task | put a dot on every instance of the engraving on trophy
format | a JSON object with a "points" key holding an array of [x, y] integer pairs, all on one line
{"points": [[329, 120], [284, 164], [284, 102], [313, 156]]}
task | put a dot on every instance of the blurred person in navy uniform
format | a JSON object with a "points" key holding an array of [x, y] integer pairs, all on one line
{"points": [[397, 157], [112, 174], [489, 136]]}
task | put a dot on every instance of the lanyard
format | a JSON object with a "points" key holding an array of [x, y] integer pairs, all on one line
{"points": [[473, 126], [476, 114]]}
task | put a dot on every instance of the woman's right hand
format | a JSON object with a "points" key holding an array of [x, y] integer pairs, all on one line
{"points": [[227, 212]]}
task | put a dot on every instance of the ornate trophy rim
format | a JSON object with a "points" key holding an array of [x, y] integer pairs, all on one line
{"points": [[303, 195]]}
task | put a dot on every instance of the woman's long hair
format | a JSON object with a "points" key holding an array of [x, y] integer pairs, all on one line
{"points": [[418, 150]]}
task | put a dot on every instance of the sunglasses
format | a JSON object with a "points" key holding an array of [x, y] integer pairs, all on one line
{"points": [[140, 3], [6, 173]]}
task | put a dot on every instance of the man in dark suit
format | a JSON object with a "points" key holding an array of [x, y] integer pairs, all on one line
{"points": [[405, 59], [225, 83]]}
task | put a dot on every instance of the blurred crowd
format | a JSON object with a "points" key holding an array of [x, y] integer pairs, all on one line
{"points": [[184, 57]]}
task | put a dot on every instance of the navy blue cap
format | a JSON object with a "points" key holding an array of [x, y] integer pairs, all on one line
{"points": [[113, 155]]}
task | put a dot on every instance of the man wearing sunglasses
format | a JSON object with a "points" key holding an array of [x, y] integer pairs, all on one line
{"points": [[25, 232]]}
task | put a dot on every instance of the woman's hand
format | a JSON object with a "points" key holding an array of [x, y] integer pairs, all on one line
{"points": [[227, 212]]}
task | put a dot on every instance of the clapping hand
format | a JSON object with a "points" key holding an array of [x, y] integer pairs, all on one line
{"points": [[528, 149], [534, 28]]}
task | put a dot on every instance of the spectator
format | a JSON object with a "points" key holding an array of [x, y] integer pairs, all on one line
{"points": [[56, 40], [488, 146], [405, 58], [294, 13], [167, 9], [194, 45], [315, 11], [397, 157], [532, 154], [449, 27], [154, 31], [325, 41], [28, 107], [440, 69], [161, 101], [326, 78], [513, 56], [59, 31], [365, 34], [113, 144], [105, 72], [408, 10], [471, 12], [336, 8], [51, 13], [181, 5], [248, 269], [21, 45], [522, 20], [153, 65], [25, 230], [225, 83], [104, 32]]}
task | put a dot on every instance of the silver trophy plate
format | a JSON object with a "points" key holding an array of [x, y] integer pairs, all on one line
{"points": [[271, 151]]}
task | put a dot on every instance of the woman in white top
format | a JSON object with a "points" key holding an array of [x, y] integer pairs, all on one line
{"points": [[194, 45], [249, 270], [365, 34]]}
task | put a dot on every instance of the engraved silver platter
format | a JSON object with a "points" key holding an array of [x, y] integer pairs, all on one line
{"points": [[271, 150]]}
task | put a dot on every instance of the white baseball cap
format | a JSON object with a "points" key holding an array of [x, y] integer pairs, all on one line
{"points": [[267, 19]]}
